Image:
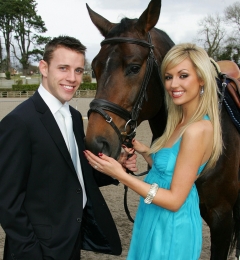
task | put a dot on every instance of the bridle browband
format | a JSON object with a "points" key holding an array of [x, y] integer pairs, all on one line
{"points": [[101, 105]]}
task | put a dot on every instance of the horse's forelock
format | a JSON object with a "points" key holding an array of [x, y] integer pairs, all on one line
{"points": [[122, 27]]}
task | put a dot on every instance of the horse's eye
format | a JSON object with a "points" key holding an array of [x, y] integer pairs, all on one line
{"points": [[134, 69]]}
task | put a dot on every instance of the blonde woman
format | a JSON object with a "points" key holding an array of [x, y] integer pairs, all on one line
{"points": [[168, 224]]}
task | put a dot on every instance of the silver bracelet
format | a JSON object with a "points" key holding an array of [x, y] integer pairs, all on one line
{"points": [[151, 194]]}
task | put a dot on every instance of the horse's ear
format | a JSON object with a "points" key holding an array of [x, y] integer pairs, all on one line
{"points": [[103, 25], [149, 17]]}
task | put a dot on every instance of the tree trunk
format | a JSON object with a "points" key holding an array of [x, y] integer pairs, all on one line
{"points": [[1, 55], [8, 60]]}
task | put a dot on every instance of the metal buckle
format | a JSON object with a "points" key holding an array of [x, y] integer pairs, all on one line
{"points": [[135, 127], [109, 121]]}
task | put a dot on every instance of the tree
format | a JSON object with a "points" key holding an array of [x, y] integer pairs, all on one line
{"points": [[28, 27], [231, 51], [232, 15], [213, 34], [87, 66], [6, 26]]}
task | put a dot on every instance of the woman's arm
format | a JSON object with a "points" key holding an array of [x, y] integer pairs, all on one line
{"points": [[196, 147]]}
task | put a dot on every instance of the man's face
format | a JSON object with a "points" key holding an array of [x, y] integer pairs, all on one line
{"points": [[62, 77]]}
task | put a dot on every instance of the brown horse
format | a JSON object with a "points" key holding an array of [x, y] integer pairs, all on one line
{"points": [[130, 91]]}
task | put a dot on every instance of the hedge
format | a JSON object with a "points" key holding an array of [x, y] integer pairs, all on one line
{"points": [[88, 85], [5, 89], [34, 87]]}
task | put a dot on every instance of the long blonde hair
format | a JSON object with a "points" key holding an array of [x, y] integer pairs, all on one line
{"points": [[208, 102]]}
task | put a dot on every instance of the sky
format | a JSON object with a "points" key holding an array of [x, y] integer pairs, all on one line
{"points": [[179, 19]]}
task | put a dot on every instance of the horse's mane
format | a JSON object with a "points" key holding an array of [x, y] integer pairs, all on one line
{"points": [[216, 66]]}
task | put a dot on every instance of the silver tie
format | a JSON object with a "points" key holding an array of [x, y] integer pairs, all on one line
{"points": [[72, 147]]}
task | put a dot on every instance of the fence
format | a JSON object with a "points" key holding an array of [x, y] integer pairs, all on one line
{"points": [[8, 104]]}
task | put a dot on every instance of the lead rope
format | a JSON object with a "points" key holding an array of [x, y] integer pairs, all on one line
{"points": [[126, 190]]}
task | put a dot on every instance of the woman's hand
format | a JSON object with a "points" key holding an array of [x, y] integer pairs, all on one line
{"points": [[140, 147], [128, 159], [105, 164], [143, 150]]}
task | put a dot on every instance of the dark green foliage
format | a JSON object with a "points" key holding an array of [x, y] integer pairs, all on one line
{"points": [[90, 86], [19, 82], [19, 17], [6, 26], [230, 52], [8, 75], [32, 87], [87, 78], [28, 29], [5, 89]]}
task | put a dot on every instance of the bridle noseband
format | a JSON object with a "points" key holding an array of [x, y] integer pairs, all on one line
{"points": [[101, 105]]}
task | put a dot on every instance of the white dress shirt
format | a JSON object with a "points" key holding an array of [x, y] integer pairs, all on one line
{"points": [[54, 105]]}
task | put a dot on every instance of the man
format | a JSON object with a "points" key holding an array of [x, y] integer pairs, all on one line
{"points": [[50, 203]]}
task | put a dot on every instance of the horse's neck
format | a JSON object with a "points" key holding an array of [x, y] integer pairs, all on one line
{"points": [[158, 123], [163, 44]]}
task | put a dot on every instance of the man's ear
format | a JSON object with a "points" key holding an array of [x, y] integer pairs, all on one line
{"points": [[43, 67]]}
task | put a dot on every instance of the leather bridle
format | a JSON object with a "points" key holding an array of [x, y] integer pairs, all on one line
{"points": [[101, 105]]}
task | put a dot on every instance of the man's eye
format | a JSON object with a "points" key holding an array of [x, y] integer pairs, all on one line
{"points": [[62, 68], [79, 71]]}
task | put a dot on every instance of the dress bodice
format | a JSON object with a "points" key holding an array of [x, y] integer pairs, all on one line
{"points": [[164, 161]]}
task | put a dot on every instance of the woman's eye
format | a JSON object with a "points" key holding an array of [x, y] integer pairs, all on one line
{"points": [[167, 77], [183, 76]]}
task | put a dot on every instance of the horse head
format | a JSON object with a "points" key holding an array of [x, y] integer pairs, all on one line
{"points": [[127, 73]]}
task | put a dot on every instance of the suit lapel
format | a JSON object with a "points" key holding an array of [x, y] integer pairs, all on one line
{"points": [[51, 126], [79, 135], [78, 132]]}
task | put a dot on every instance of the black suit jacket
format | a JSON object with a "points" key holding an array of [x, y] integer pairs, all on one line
{"points": [[40, 194]]}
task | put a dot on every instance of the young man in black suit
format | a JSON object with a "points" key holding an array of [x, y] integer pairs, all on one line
{"points": [[49, 206]]}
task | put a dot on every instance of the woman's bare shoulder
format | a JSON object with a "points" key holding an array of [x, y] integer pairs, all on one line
{"points": [[202, 128]]}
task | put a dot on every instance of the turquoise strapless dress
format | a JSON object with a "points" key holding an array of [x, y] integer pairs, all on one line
{"points": [[160, 234]]}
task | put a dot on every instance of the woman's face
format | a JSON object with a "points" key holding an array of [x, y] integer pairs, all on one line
{"points": [[183, 84]]}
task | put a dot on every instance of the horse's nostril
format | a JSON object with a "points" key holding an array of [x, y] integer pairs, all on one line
{"points": [[106, 148], [99, 145]]}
